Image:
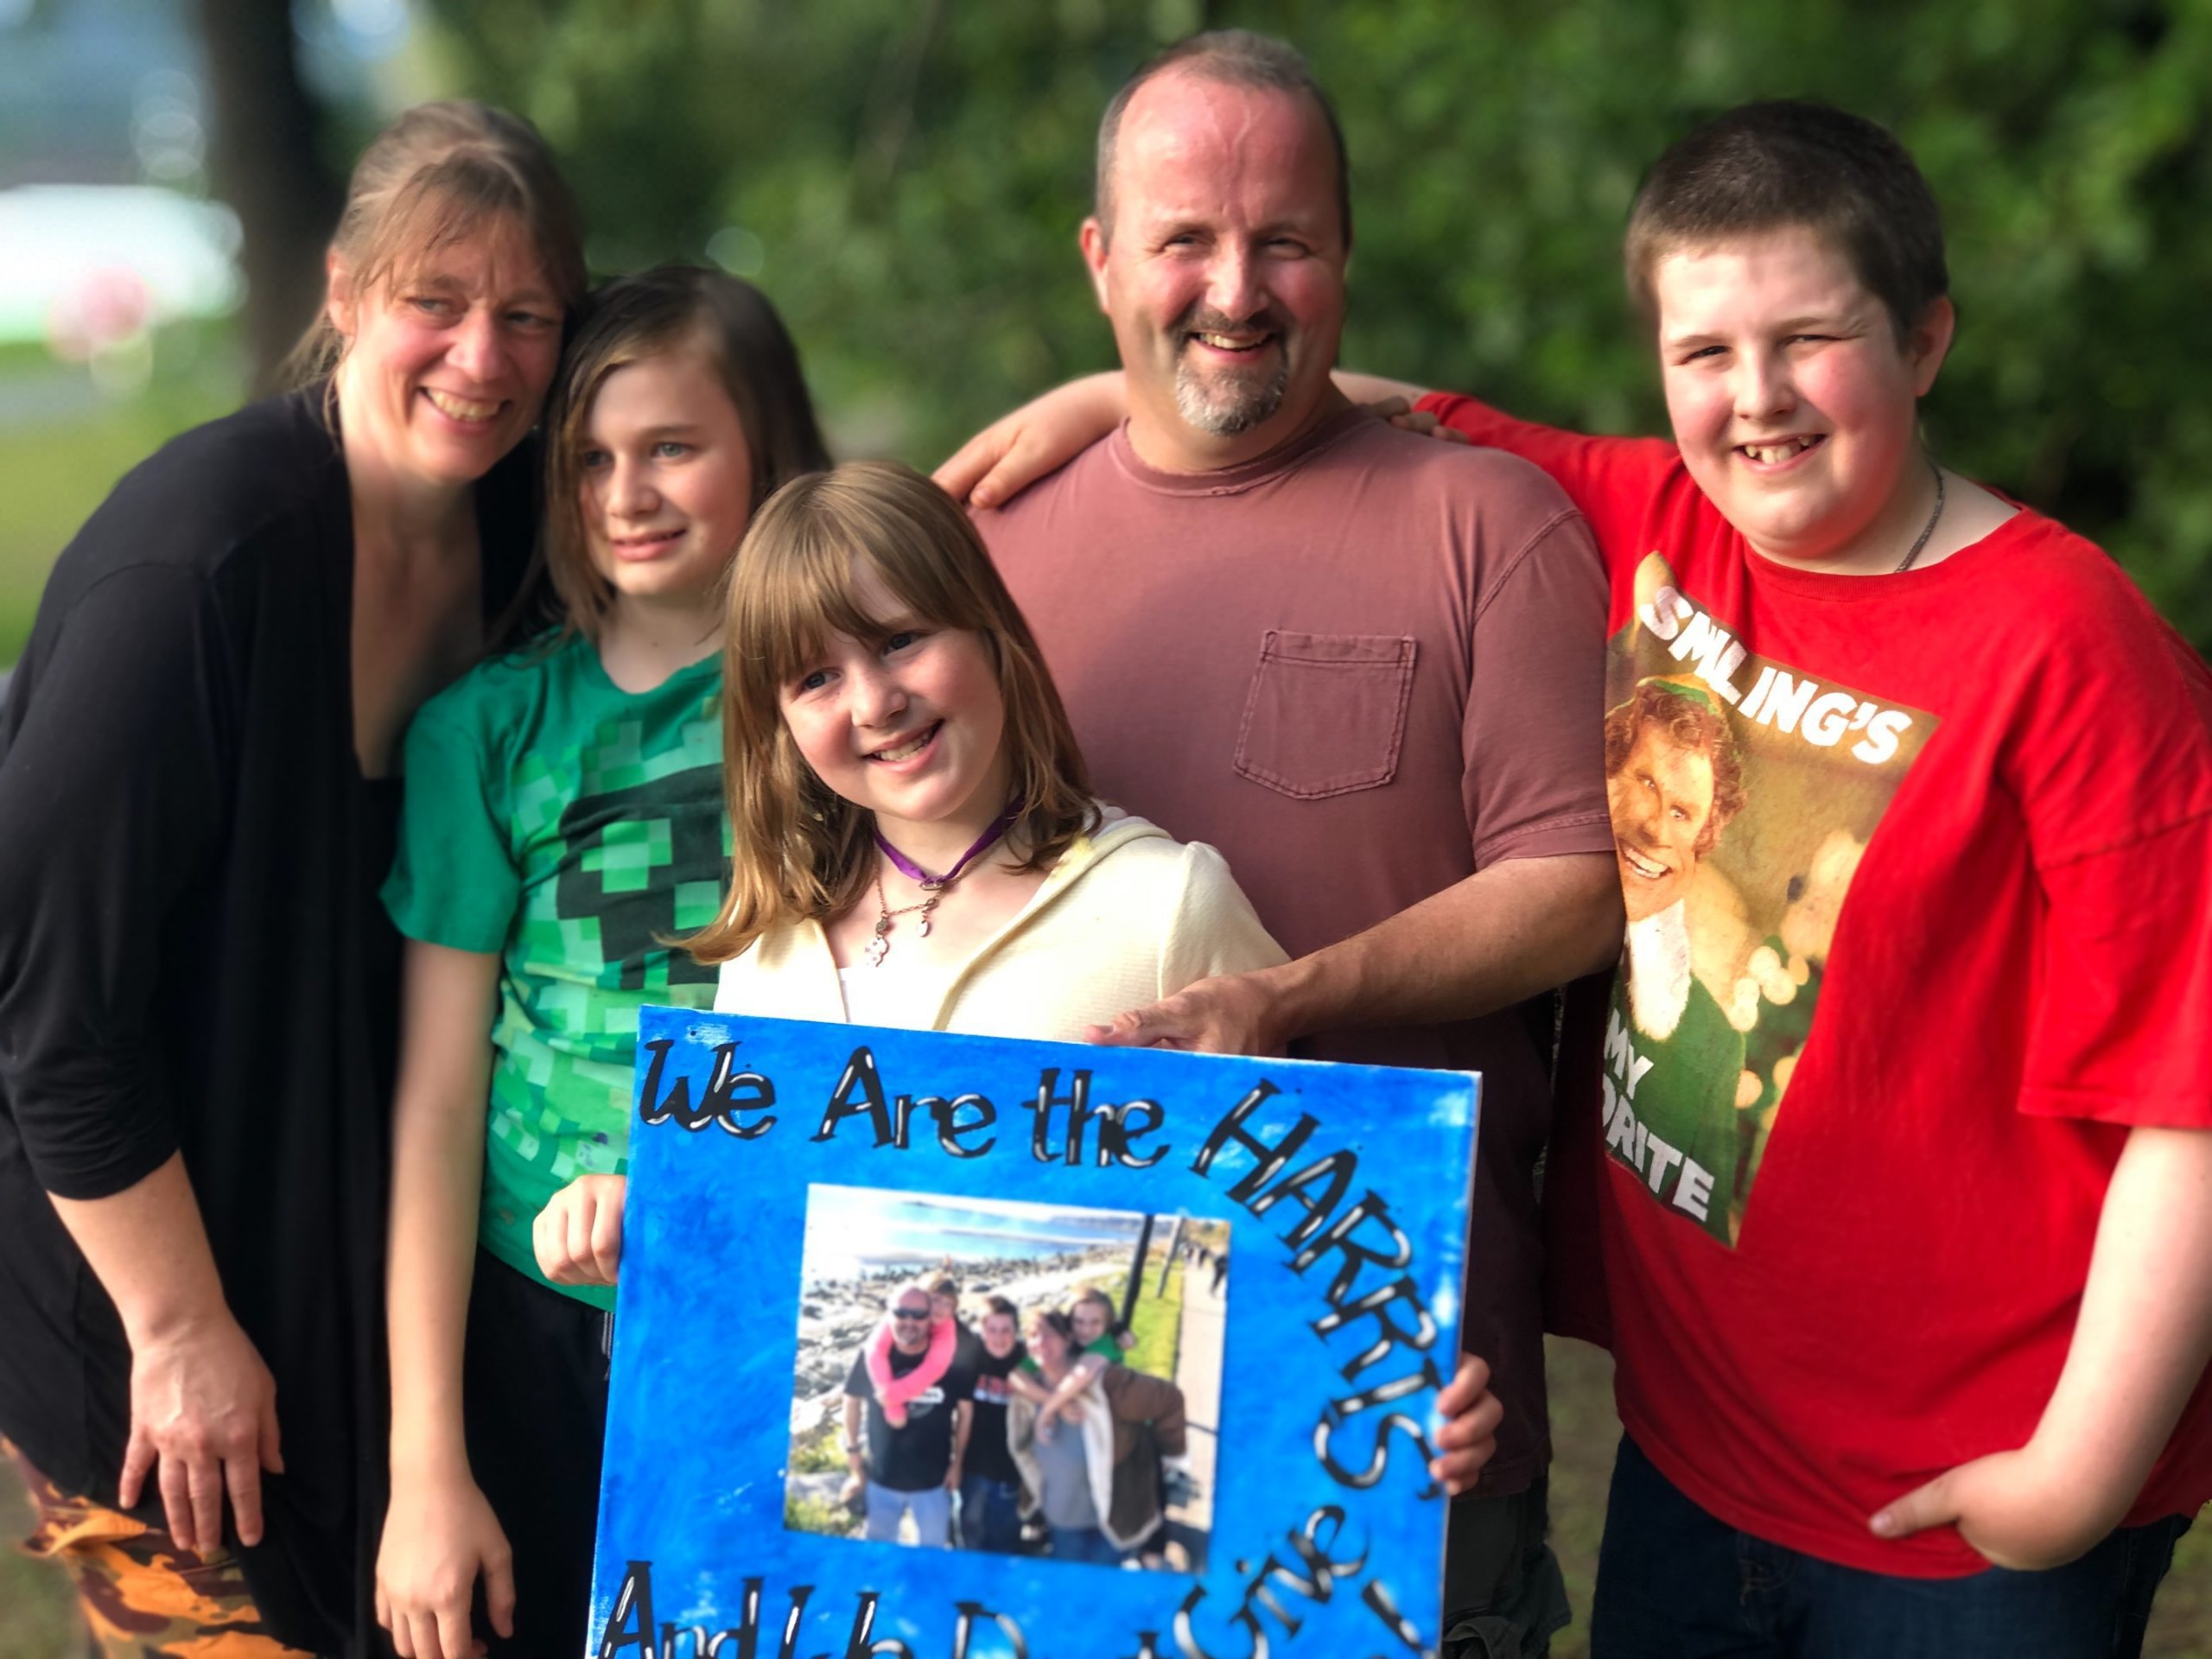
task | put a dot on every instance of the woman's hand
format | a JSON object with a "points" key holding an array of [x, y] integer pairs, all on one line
{"points": [[438, 1534], [1043, 435], [203, 1407], [578, 1234]]}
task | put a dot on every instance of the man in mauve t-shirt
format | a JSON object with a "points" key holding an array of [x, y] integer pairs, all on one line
{"points": [[1363, 664]]}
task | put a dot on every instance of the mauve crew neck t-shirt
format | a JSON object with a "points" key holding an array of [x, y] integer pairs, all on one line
{"points": [[1364, 666]]}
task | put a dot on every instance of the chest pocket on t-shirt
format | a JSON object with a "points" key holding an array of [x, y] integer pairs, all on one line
{"points": [[1327, 712]]}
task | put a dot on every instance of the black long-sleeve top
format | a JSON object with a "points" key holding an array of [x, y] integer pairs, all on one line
{"points": [[193, 959]]}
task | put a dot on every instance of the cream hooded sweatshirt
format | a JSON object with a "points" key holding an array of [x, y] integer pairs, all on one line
{"points": [[1128, 916]]}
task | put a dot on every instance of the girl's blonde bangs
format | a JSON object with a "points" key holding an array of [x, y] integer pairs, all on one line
{"points": [[804, 596], [799, 850]]}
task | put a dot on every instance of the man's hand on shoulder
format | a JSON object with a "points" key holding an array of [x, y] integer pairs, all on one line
{"points": [[1231, 1014]]}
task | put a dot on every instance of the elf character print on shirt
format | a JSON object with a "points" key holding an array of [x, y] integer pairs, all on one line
{"points": [[1743, 792]]}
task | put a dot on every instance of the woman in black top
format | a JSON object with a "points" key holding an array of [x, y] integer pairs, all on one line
{"points": [[198, 988]]}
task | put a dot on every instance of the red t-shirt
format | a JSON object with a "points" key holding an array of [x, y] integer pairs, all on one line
{"points": [[1364, 667], [1880, 1037]]}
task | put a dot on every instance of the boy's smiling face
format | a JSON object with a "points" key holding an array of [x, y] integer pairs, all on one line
{"points": [[1794, 403]]}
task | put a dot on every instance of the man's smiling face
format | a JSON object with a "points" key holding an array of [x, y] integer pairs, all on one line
{"points": [[910, 1322], [1223, 270]]}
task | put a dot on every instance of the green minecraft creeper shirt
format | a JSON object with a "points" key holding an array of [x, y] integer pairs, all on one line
{"points": [[570, 827]]}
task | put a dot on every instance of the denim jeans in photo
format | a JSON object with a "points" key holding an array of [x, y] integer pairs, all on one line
{"points": [[1084, 1544], [990, 1515], [931, 1507]]}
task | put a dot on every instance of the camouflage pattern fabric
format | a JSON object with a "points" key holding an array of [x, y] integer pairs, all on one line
{"points": [[142, 1596]]}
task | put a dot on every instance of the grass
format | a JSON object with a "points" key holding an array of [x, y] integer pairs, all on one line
{"points": [[812, 1515], [2181, 1619], [1585, 1431], [821, 1452], [1158, 1325], [38, 1616], [63, 445]]}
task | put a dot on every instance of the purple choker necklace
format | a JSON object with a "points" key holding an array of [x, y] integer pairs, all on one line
{"points": [[933, 886]]}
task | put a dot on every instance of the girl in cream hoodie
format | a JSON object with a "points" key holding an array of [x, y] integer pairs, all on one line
{"points": [[914, 843]]}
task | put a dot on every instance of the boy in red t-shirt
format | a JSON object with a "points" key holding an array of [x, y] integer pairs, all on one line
{"points": [[1902, 1159]]}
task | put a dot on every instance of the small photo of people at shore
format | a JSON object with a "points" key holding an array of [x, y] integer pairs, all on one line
{"points": [[1024, 1379]]}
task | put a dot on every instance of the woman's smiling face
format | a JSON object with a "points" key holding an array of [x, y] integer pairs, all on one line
{"points": [[448, 359], [1050, 1347]]}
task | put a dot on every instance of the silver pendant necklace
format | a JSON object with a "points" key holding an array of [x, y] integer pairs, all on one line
{"points": [[878, 947], [935, 886]]}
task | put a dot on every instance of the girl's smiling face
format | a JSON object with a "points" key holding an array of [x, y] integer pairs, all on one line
{"points": [[905, 723], [667, 478], [1794, 403], [1089, 1318]]}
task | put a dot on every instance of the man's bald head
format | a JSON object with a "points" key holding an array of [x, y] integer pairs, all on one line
{"points": [[1234, 57]]}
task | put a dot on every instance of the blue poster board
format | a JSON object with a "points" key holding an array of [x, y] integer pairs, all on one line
{"points": [[1290, 1236]]}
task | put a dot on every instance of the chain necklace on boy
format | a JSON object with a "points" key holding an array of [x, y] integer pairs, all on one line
{"points": [[1928, 529], [934, 886]]}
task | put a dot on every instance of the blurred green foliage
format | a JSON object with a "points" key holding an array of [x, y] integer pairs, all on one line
{"points": [[904, 177], [63, 444]]}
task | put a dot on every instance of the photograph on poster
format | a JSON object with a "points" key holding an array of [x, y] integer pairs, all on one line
{"points": [[795, 1184], [1017, 1378]]}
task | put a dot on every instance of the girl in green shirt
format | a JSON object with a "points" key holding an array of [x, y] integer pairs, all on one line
{"points": [[563, 817]]}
